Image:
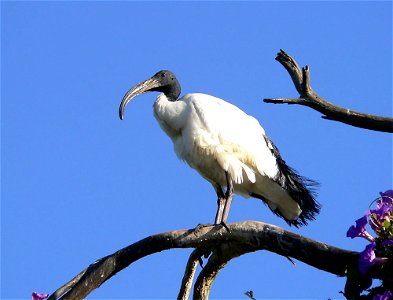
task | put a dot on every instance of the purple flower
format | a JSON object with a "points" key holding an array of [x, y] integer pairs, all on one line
{"points": [[388, 242], [36, 296], [388, 194], [360, 229], [386, 199], [382, 214], [383, 209], [386, 296], [367, 258]]}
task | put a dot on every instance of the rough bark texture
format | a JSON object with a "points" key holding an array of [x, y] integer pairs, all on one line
{"points": [[301, 80], [244, 237], [189, 273]]}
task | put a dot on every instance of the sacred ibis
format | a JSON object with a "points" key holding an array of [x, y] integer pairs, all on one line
{"points": [[229, 149]]}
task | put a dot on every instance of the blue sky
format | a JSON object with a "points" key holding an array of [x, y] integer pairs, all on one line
{"points": [[79, 184]]}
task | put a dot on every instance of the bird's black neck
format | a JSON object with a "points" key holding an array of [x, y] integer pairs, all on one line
{"points": [[172, 91], [167, 84]]}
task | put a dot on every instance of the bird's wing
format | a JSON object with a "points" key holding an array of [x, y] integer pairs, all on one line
{"points": [[231, 131]]}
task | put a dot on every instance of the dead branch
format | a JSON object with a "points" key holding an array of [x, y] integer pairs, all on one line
{"points": [[301, 80], [244, 237], [189, 273], [221, 255]]}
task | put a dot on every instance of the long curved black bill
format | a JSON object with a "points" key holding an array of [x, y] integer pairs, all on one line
{"points": [[140, 88]]}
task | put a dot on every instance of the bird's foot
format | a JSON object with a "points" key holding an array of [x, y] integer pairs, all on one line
{"points": [[224, 225], [201, 226]]}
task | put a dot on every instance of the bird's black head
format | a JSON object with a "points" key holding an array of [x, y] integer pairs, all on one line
{"points": [[168, 84], [163, 81]]}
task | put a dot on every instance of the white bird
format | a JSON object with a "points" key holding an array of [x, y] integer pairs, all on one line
{"points": [[229, 149]]}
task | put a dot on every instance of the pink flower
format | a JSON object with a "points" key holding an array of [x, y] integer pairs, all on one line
{"points": [[36, 296]]}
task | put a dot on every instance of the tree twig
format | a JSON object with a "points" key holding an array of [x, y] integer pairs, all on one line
{"points": [[301, 80]]}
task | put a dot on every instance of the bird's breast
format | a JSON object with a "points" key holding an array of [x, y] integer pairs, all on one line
{"points": [[171, 115], [201, 159]]}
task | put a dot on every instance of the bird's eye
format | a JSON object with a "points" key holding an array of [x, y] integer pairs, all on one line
{"points": [[163, 75]]}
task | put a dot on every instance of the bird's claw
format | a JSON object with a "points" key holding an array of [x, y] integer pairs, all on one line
{"points": [[223, 224], [200, 227]]}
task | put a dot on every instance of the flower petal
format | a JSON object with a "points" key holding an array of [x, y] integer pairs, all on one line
{"points": [[388, 242], [385, 296], [360, 229], [382, 210], [366, 258], [36, 296], [388, 193], [387, 197]]}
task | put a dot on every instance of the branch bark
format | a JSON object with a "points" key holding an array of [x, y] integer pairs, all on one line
{"points": [[301, 80], [189, 273], [244, 237], [221, 255]]}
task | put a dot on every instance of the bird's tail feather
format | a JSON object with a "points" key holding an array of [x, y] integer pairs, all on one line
{"points": [[302, 190], [299, 188]]}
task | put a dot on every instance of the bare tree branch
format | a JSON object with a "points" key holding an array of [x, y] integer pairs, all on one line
{"points": [[189, 273], [301, 80], [244, 237], [221, 255], [216, 262], [66, 287]]}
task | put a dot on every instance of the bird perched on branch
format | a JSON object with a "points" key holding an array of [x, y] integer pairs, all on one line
{"points": [[229, 148]]}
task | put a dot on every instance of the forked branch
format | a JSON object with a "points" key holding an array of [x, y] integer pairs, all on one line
{"points": [[301, 80], [244, 237]]}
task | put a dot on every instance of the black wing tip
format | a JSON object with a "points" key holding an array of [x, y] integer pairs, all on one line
{"points": [[306, 216], [302, 220], [303, 191]]}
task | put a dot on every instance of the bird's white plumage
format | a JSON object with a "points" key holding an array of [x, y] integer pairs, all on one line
{"points": [[214, 136]]}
